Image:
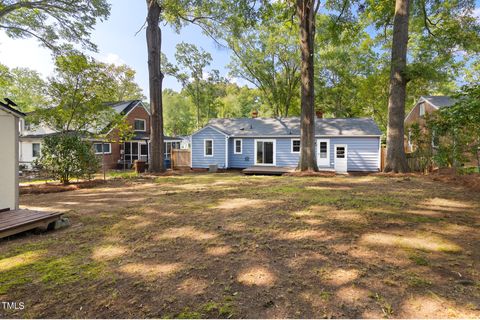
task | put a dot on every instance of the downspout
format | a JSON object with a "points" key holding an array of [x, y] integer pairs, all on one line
{"points": [[226, 152]]}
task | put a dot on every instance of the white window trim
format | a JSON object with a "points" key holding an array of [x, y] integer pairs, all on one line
{"points": [[39, 150], [235, 146], [274, 152], [421, 107], [144, 125], [109, 147], [205, 148], [291, 146], [323, 162]]}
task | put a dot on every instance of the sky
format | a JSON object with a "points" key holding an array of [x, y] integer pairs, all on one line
{"points": [[117, 43]]}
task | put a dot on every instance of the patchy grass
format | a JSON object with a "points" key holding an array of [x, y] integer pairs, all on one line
{"points": [[226, 245]]}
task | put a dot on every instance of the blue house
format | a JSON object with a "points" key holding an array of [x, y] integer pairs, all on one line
{"points": [[351, 144]]}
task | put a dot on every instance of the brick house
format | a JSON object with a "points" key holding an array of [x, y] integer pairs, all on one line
{"points": [[425, 105], [115, 154]]}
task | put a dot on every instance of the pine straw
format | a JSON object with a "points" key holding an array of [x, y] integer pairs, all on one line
{"points": [[58, 187]]}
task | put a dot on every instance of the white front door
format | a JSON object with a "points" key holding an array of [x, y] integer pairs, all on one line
{"points": [[341, 158], [323, 152]]}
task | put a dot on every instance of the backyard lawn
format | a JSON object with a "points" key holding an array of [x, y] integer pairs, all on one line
{"points": [[227, 245]]}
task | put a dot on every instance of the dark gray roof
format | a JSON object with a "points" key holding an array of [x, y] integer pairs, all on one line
{"points": [[291, 126], [439, 101], [123, 107], [11, 110]]}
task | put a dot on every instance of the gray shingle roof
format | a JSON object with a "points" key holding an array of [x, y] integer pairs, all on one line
{"points": [[291, 126], [439, 101]]}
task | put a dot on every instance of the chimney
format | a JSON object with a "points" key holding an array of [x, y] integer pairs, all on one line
{"points": [[319, 114], [254, 113]]}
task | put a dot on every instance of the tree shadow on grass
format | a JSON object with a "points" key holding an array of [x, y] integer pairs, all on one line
{"points": [[252, 247]]}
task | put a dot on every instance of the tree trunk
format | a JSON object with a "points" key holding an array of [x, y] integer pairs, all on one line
{"points": [[154, 45], [306, 14], [396, 160]]}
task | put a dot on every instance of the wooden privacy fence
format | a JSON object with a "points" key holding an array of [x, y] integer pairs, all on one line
{"points": [[180, 158], [383, 157]]}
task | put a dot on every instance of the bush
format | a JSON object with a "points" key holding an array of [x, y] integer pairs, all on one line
{"points": [[67, 156]]}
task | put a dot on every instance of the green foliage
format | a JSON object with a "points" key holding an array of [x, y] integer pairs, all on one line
{"points": [[78, 91], [53, 22], [67, 156], [24, 86], [201, 86], [459, 128], [125, 87], [178, 113], [268, 57]]}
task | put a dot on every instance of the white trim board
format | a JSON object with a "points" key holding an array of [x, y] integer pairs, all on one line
{"points": [[274, 153], [205, 149], [235, 146], [211, 127], [291, 145]]}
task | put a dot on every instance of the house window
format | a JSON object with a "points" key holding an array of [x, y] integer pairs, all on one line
{"points": [[140, 125], [169, 146], [106, 148], [295, 145], [35, 150], [410, 142], [435, 140], [208, 148], [238, 146], [422, 109], [323, 149]]}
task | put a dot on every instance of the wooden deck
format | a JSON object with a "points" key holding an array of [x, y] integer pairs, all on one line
{"points": [[16, 221], [266, 170]]}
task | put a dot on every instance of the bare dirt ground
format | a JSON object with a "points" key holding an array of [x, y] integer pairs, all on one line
{"points": [[226, 245]]}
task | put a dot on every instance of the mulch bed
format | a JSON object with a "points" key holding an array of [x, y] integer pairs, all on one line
{"points": [[470, 181], [59, 187]]}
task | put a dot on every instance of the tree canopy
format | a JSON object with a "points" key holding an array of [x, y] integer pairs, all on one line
{"points": [[53, 22]]}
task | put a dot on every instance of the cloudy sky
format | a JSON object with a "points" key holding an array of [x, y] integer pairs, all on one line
{"points": [[117, 43]]}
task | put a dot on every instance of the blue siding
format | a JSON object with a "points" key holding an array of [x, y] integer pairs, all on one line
{"points": [[363, 152], [243, 160], [198, 158], [285, 157]]}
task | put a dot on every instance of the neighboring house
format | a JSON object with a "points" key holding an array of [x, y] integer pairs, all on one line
{"points": [[9, 127], [341, 144], [425, 105], [114, 154]]}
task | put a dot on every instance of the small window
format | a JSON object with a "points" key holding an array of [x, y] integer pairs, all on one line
{"points": [[144, 149], [35, 150], [98, 148], [208, 148], [323, 150], [139, 125], [435, 140], [295, 145], [422, 109], [238, 146], [341, 152]]}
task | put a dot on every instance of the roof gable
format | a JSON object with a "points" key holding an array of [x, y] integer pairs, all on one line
{"points": [[438, 101]]}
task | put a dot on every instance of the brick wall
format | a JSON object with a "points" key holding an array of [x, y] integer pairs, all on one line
{"points": [[138, 112]]}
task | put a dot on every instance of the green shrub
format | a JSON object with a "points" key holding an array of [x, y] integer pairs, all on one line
{"points": [[67, 156]]}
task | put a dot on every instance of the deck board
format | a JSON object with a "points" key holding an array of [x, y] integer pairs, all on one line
{"points": [[16, 221], [266, 170]]}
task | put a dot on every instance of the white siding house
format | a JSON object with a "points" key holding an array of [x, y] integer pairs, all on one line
{"points": [[9, 130]]}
